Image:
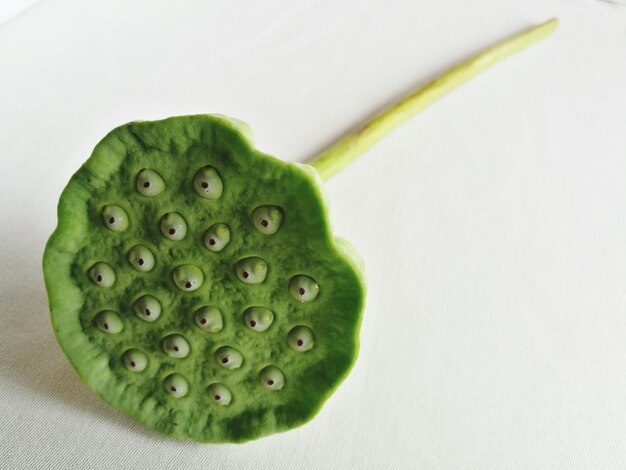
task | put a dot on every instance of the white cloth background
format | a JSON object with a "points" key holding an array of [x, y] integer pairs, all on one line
{"points": [[493, 225]]}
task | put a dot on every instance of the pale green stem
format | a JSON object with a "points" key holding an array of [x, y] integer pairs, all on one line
{"points": [[344, 151]]}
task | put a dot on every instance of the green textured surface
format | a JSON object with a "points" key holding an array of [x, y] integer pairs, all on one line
{"points": [[176, 149]]}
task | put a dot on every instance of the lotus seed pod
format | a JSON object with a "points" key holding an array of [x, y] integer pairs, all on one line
{"points": [[197, 293], [147, 308], [188, 277], [217, 237], [303, 288], [176, 385], [141, 258], [228, 357], [267, 219], [251, 270], [149, 183], [135, 360], [102, 274], [109, 322], [115, 218], [175, 346], [208, 183], [301, 338], [209, 319], [258, 318], [272, 378], [220, 394], [173, 226]]}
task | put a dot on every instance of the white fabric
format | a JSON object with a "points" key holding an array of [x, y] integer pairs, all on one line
{"points": [[492, 225]]}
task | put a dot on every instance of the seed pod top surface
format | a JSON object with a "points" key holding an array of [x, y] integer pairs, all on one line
{"points": [[158, 362]]}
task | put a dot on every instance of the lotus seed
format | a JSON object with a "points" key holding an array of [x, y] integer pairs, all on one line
{"points": [[102, 274], [115, 218], [135, 360], [175, 346], [251, 270], [209, 319], [147, 308], [208, 183], [217, 237], [141, 258], [228, 357], [258, 318], [220, 394], [301, 338], [173, 226], [109, 322], [187, 277], [176, 385], [303, 288], [267, 219], [149, 183], [272, 378]]}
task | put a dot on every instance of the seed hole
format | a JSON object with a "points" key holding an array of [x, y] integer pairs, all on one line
{"points": [[99, 278], [252, 323], [105, 326], [172, 231], [217, 398], [264, 223], [112, 220], [212, 241], [245, 274], [146, 184], [204, 185], [188, 285], [224, 360], [203, 321], [176, 348], [140, 261], [147, 312], [132, 363], [173, 389], [300, 342], [270, 382], [301, 291]]}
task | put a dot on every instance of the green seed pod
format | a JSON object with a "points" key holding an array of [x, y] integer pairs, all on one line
{"points": [[220, 394], [208, 183], [149, 183], [209, 319], [303, 288], [141, 258], [217, 237], [135, 360], [228, 357], [102, 274], [258, 318], [109, 322], [175, 346], [176, 385], [147, 308], [267, 219], [272, 378], [301, 338], [115, 218], [173, 226], [251, 270]]}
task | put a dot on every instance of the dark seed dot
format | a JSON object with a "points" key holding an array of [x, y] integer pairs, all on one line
{"points": [[140, 261], [112, 220], [204, 185], [106, 326], [264, 223], [245, 274], [224, 360], [188, 285], [147, 312], [132, 363], [211, 242], [217, 397], [175, 348], [301, 290], [202, 321], [99, 278], [172, 231], [173, 389], [300, 342], [146, 184], [252, 323], [270, 382]]}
